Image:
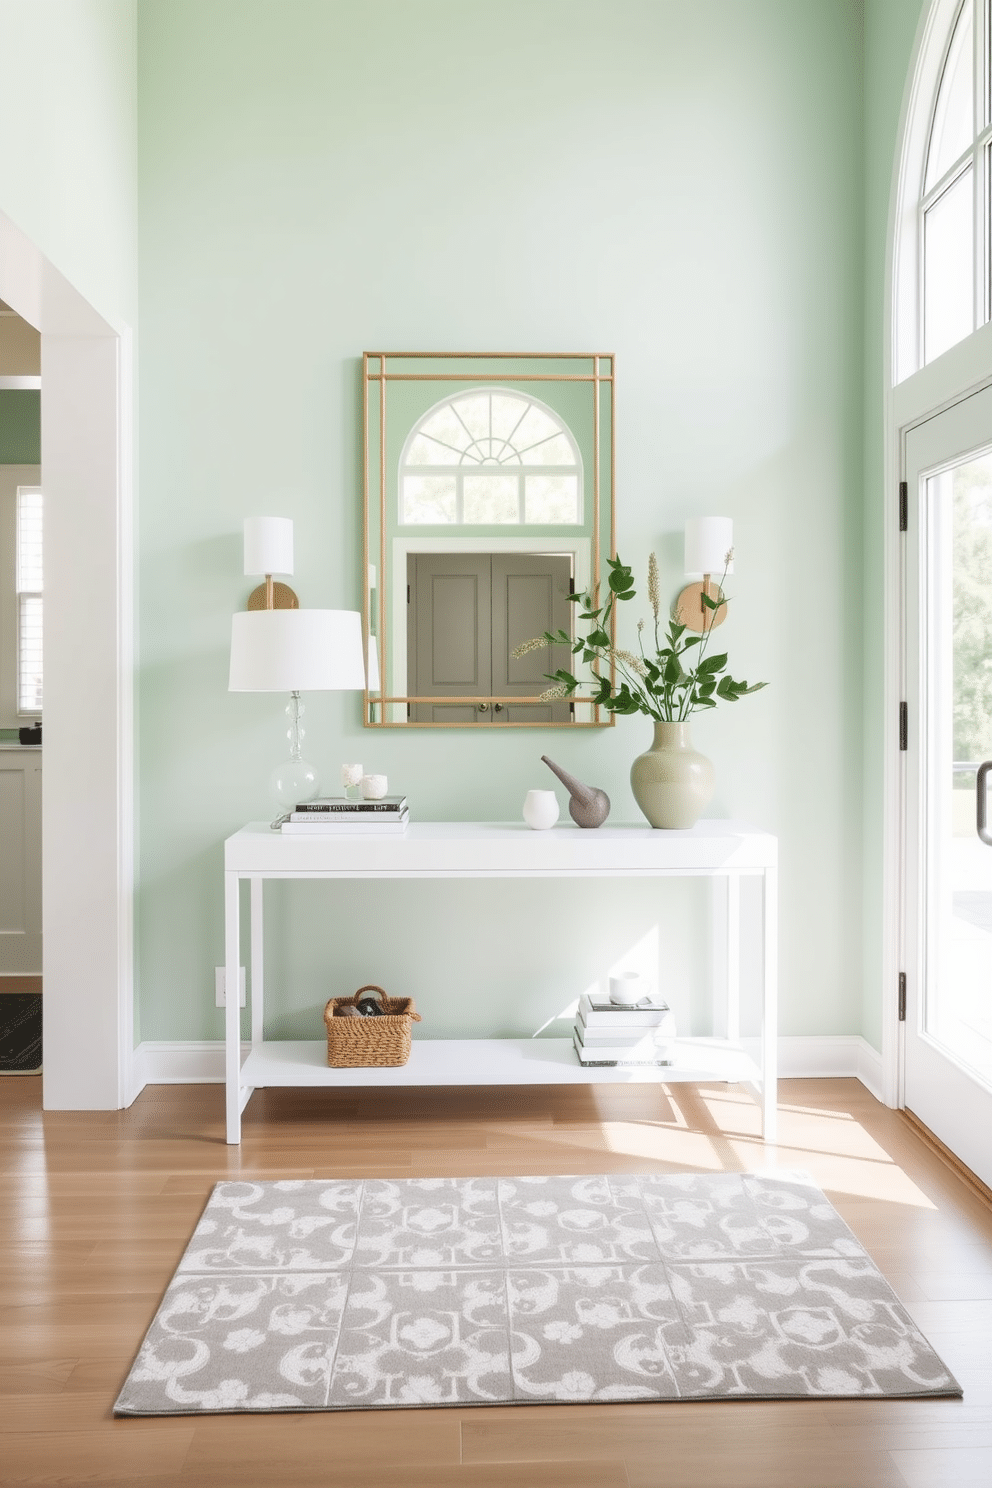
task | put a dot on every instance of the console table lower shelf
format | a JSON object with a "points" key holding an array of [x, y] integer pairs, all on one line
{"points": [[724, 852], [490, 1062]]}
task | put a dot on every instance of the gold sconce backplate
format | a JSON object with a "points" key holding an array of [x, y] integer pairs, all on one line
{"points": [[694, 614], [283, 598]]}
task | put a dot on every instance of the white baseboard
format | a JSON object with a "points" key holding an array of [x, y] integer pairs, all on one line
{"points": [[816, 1056], [831, 1056], [179, 1062]]}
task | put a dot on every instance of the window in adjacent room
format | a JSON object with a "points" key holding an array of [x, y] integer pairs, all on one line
{"points": [[490, 457], [28, 584]]}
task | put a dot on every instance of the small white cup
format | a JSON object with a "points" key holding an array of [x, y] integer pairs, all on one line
{"points": [[627, 989], [374, 787], [540, 809]]}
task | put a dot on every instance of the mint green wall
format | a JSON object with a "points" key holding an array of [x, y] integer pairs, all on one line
{"points": [[890, 32], [20, 426], [68, 141], [680, 183]]}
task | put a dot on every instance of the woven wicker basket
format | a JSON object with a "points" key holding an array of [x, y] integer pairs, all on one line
{"points": [[354, 1043]]}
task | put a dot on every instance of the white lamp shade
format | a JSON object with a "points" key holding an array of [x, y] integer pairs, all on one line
{"points": [[296, 651], [268, 545], [708, 540]]}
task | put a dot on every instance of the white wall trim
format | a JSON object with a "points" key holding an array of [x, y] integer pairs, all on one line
{"points": [[88, 814], [831, 1056], [178, 1062], [816, 1056]]}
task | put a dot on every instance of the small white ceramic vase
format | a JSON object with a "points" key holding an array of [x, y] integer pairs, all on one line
{"points": [[540, 809], [627, 989], [374, 787]]}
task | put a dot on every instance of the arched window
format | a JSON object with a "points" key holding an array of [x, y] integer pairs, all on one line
{"points": [[952, 216], [490, 457]]}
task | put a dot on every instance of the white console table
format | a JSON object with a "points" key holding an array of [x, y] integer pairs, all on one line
{"points": [[722, 850]]}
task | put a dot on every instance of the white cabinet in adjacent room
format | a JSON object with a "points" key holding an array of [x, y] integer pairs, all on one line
{"points": [[20, 861]]}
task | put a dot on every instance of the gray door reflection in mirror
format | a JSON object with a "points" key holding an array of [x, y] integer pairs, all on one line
{"points": [[465, 614]]}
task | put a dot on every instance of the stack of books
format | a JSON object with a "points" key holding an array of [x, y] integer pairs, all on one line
{"points": [[334, 815], [607, 1033]]}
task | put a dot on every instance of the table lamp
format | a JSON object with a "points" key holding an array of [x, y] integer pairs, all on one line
{"points": [[293, 650], [709, 550]]}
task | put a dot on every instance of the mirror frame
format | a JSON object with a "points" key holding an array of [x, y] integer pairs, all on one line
{"points": [[379, 369]]}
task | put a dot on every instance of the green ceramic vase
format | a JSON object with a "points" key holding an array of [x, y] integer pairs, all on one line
{"points": [[671, 781]]}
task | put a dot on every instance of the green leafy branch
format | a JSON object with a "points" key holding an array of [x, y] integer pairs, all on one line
{"points": [[677, 679]]}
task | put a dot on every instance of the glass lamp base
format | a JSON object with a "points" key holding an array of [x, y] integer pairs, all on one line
{"points": [[292, 782]]}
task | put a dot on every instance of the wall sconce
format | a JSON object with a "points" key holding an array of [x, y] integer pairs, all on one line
{"points": [[709, 550], [285, 649], [268, 551]]}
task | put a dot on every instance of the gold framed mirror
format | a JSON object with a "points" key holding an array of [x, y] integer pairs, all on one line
{"points": [[489, 490]]}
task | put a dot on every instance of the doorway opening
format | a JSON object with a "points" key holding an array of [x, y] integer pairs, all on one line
{"points": [[21, 662]]}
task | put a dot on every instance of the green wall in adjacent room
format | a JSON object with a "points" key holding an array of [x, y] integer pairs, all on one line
{"points": [[680, 183], [20, 426]]}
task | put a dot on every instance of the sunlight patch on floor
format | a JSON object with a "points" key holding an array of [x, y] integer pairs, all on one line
{"points": [[837, 1174], [832, 1146], [662, 1144]]}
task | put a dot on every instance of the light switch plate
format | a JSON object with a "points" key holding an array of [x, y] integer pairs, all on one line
{"points": [[220, 986]]}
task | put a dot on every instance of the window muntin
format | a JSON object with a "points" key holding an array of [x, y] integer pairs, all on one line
{"points": [[28, 584], [490, 457]]}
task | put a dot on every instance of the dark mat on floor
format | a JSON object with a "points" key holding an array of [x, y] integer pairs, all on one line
{"points": [[20, 1033]]}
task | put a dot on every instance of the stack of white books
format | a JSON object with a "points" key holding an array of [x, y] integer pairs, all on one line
{"points": [[334, 815], [610, 1033]]}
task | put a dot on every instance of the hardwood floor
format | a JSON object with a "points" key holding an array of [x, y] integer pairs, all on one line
{"points": [[98, 1206]]}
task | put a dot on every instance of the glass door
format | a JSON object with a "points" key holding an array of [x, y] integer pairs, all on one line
{"points": [[948, 899]]}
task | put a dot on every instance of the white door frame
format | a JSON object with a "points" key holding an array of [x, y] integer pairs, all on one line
{"points": [[960, 372], [918, 394], [937, 1083], [87, 792]]}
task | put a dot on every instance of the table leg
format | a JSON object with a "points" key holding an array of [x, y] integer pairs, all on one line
{"points": [[769, 1007], [257, 964], [232, 1015], [733, 1024], [726, 921]]}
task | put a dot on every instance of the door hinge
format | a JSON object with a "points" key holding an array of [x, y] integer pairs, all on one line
{"points": [[903, 725], [408, 593], [902, 997], [903, 506]]}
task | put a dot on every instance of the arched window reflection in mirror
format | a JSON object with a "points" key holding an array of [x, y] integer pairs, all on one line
{"points": [[490, 457]]}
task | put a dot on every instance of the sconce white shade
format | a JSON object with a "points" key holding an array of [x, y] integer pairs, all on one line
{"points": [[296, 651], [708, 540], [268, 545]]}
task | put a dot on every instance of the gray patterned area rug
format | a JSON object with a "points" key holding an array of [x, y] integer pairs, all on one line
{"points": [[338, 1295]]}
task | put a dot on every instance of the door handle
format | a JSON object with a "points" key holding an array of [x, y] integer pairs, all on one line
{"points": [[498, 708], [981, 803], [483, 707]]}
